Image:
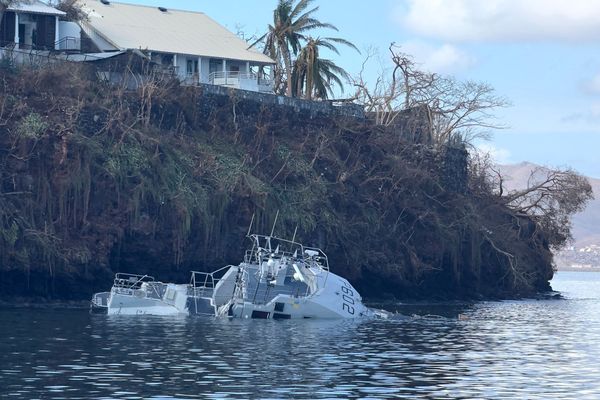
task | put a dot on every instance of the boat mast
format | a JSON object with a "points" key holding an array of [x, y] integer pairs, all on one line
{"points": [[274, 223], [251, 222]]}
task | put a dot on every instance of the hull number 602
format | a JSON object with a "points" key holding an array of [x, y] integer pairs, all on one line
{"points": [[347, 298]]}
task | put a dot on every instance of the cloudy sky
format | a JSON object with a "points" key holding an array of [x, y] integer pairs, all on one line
{"points": [[543, 55]]}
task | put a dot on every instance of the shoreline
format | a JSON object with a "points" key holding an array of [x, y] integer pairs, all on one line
{"points": [[575, 269], [23, 302]]}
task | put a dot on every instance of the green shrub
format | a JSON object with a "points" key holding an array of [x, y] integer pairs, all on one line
{"points": [[32, 126]]}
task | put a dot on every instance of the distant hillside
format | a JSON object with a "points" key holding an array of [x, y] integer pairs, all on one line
{"points": [[586, 225]]}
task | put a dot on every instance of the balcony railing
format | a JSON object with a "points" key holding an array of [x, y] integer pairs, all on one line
{"points": [[69, 43], [241, 80]]}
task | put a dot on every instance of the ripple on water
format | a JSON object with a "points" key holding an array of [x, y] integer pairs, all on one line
{"points": [[517, 349]]}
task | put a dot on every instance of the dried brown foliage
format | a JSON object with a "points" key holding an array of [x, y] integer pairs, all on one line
{"points": [[457, 109]]}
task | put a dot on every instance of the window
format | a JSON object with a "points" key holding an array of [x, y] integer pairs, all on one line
{"points": [[192, 67], [215, 66], [171, 294], [167, 59]]}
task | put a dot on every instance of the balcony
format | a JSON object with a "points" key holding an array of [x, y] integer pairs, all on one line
{"points": [[69, 43], [239, 80]]}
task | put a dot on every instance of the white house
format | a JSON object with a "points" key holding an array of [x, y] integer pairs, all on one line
{"points": [[31, 26], [198, 48]]}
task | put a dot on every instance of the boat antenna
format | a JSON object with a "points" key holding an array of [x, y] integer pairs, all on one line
{"points": [[295, 231], [274, 223], [250, 227]]}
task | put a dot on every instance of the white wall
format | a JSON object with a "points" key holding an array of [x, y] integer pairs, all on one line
{"points": [[204, 72], [69, 30]]}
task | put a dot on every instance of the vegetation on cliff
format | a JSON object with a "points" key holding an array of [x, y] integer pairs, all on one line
{"points": [[96, 179]]}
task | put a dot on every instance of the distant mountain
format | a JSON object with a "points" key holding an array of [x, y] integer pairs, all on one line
{"points": [[586, 225]]}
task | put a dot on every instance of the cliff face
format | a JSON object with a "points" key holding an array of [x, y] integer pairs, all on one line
{"points": [[94, 180]]}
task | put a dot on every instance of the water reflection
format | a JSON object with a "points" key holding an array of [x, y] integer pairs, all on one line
{"points": [[528, 349]]}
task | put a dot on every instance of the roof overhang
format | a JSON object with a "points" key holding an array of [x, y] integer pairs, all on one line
{"points": [[35, 7]]}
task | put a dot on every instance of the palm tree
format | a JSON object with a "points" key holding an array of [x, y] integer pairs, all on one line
{"points": [[290, 22], [313, 76]]}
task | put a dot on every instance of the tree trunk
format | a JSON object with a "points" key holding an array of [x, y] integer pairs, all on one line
{"points": [[310, 70], [287, 60], [407, 90]]}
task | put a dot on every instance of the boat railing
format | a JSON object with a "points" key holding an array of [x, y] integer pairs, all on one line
{"points": [[260, 254], [131, 281], [263, 293], [271, 246], [301, 256], [133, 285], [315, 257], [100, 299], [202, 284]]}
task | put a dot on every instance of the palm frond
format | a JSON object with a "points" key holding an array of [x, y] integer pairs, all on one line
{"points": [[300, 8], [341, 41], [311, 24], [260, 39], [327, 45]]}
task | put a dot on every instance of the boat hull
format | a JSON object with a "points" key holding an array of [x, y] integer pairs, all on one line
{"points": [[99, 303], [129, 305], [149, 301], [336, 299]]}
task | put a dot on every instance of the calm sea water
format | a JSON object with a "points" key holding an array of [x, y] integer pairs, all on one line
{"points": [[546, 349]]}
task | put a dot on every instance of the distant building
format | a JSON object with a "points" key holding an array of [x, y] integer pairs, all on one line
{"points": [[31, 26], [195, 46], [192, 45]]}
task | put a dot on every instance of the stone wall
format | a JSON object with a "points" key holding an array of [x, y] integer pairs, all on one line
{"points": [[313, 107]]}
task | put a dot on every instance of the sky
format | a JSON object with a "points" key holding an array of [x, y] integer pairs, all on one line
{"points": [[542, 55]]}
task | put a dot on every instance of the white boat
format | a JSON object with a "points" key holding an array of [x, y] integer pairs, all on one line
{"points": [[141, 294], [278, 279], [282, 279]]}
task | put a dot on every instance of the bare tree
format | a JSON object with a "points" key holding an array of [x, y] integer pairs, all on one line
{"points": [[240, 31], [380, 99], [552, 197], [73, 9], [485, 178], [456, 108], [464, 109]]}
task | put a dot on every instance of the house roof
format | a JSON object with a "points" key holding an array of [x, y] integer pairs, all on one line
{"points": [[35, 7], [128, 26]]}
